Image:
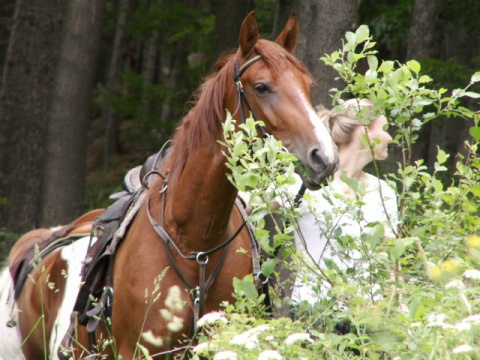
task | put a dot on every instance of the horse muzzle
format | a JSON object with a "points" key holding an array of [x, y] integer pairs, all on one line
{"points": [[319, 167]]}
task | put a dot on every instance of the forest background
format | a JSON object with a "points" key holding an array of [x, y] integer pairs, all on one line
{"points": [[91, 89]]}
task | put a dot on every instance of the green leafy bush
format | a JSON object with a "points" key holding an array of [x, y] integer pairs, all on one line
{"points": [[427, 278]]}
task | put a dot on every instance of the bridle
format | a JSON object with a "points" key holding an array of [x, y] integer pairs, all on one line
{"points": [[242, 96], [201, 257]]}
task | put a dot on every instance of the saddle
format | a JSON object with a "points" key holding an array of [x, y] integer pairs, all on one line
{"points": [[95, 297], [39, 243]]}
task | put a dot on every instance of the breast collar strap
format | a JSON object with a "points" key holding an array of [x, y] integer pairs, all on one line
{"points": [[242, 96], [201, 257]]}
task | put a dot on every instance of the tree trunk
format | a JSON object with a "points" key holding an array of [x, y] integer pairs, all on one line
{"points": [[152, 66], [282, 14], [425, 41], [426, 30], [114, 83], [7, 9], [27, 80], [229, 18], [176, 84], [323, 24], [66, 139]]}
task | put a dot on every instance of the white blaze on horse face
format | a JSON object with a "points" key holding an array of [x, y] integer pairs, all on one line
{"points": [[329, 149], [10, 340]]}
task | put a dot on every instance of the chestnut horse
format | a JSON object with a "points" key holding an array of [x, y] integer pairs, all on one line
{"points": [[188, 215]]}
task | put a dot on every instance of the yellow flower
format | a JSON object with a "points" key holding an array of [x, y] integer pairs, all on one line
{"points": [[435, 273], [445, 270], [473, 248], [473, 242], [451, 267]]}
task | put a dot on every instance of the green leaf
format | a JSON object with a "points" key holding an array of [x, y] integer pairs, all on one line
{"points": [[350, 37], [386, 66], [414, 306], [472, 95], [268, 267], [475, 77], [442, 156], [247, 181], [397, 250], [424, 79], [372, 62], [475, 190], [414, 66], [145, 351], [475, 132], [362, 33], [245, 287], [257, 214]]}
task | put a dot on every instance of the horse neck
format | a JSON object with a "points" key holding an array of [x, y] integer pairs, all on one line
{"points": [[199, 205]]}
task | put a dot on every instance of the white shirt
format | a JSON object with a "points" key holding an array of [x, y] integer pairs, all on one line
{"points": [[330, 221]]}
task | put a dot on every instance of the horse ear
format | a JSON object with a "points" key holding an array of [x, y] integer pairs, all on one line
{"points": [[249, 34], [288, 37]]}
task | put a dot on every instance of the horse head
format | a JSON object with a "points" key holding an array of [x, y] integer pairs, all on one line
{"points": [[277, 87]]}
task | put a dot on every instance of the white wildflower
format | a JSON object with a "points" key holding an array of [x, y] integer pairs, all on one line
{"points": [[204, 348], [462, 326], [257, 330], [438, 320], [152, 339], [455, 284], [226, 355], [249, 342], [176, 324], [462, 349], [298, 337], [174, 300], [472, 274], [472, 318], [269, 355], [211, 318], [249, 338]]}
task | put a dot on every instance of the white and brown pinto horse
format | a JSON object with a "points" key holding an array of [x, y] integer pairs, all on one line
{"points": [[196, 210]]}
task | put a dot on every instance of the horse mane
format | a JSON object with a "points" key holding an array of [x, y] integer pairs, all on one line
{"points": [[203, 121]]}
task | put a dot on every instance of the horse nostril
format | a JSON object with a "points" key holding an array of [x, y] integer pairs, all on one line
{"points": [[322, 165], [317, 160]]}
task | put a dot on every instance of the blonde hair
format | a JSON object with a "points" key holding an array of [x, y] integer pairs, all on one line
{"points": [[343, 124]]}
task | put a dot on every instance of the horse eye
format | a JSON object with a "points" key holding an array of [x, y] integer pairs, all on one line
{"points": [[261, 89]]}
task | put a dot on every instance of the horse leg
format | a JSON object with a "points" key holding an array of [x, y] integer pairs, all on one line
{"points": [[10, 341], [38, 303]]}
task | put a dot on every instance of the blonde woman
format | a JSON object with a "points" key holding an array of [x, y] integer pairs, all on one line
{"points": [[341, 223]]}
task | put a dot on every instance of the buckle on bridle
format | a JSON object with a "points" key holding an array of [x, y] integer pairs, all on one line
{"points": [[260, 277]]}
